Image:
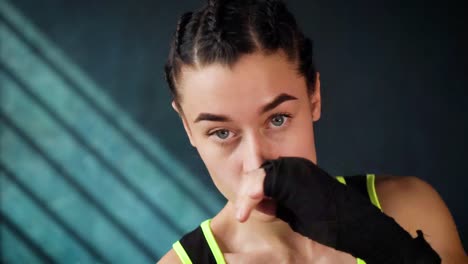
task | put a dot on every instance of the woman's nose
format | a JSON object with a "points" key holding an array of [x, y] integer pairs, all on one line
{"points": [[256, 151]]}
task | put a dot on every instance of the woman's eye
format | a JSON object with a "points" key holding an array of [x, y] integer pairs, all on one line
{"points": [[222, 134], [279, 120]]}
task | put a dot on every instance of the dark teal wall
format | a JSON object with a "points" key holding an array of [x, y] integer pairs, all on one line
{"points": [[95, 166]]}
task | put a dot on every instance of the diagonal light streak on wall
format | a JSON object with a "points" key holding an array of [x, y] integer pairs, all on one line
{"points": [[105, 235], [101, 190], [31, 117], [81, 142], [52, 89], [46, 230], [21, 247], [112, 118]]}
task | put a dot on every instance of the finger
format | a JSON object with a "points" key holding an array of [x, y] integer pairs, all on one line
{"points": [[255, 190], [251, 194], [245, 208]]}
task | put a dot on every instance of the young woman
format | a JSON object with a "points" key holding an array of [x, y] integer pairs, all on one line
{"points": [[244, 84]]}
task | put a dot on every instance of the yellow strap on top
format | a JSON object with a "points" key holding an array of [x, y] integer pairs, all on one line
{"points": [[360, 261], [218, 255], [341, 179], [371, 190], [181, 253], [370, 179]]}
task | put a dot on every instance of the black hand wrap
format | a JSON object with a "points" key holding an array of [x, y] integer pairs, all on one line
{"points": [[317, 206]]}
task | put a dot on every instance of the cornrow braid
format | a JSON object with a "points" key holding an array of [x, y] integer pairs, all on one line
{"points": [[224, 30], [269, 26], [280, 28], [181, 51], [212, 15], [183, 21], [210, 30]]}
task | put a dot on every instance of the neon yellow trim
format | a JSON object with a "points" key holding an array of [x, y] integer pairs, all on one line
{"points": [[212, 242], [341, 179], [181, 253], [360, 261], [371, 190]]}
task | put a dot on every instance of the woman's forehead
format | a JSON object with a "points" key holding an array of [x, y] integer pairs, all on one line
{"points": [[253, 81]]}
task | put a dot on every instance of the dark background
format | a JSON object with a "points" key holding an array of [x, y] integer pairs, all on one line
{"points": [[393, 79]]}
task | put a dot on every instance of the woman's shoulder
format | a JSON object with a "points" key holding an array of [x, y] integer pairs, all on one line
{"points": [[398, 194], [407, 198], [170, 258], [416, 205]]}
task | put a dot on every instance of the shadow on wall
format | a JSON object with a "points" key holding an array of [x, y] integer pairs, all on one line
{"points": [[80, 181]]}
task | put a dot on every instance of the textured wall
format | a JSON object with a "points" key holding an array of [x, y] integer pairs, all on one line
{"points": [[95, 165]]}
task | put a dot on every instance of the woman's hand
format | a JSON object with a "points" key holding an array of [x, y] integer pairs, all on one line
{"points": [[317, 206]]}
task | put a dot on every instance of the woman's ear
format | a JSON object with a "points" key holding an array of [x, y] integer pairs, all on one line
{"points": [[184, 122], [316, 100]]}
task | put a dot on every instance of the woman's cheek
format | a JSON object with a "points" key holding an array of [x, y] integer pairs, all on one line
{"points": [[228, 185], [222, 170], [301, 144], [228, 176]]}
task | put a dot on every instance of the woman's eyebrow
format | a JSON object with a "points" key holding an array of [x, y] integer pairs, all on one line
{"points": [[222, 118], [212, 117], [277, 101]]}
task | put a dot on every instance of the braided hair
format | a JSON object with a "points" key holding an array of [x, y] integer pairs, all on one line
{"points": [[222, 31]]}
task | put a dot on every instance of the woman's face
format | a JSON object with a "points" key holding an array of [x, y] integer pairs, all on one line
{"points": [[237, 117]]}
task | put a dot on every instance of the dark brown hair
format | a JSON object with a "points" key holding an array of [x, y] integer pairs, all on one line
{"points": [[223, 31]]}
